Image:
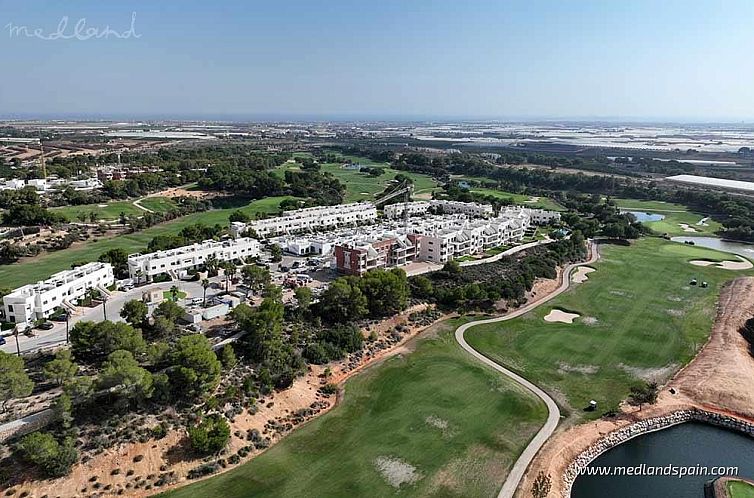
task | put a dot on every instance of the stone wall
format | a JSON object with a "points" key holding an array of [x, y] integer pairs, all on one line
{"points": [[643, 427], [25, 425]]}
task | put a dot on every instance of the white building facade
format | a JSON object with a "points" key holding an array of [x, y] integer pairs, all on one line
{"points": [[418, 208], [37, 301], [311, 219], [174, 261]]}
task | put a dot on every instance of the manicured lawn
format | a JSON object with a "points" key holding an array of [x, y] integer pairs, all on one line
{"points": [[739, 489], [520, 199], [675, 215], [178, 295], [157, 204], [459, 424], [637, 314], [672, 224], [363, 187], [112, 210], [41, 267], [643, 205]]}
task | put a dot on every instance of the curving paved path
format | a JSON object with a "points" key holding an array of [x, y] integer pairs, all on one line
{"points": [[553, 416]]}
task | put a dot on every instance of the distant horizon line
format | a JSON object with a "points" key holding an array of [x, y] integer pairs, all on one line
{"points": [[357, 117]]}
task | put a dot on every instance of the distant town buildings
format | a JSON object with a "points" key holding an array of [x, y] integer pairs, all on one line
{"points": [[50, 184], [178, 260], [37, 301], [122, 172]]}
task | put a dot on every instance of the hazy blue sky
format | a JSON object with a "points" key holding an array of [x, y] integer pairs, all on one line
{"points": [[658, 59]]}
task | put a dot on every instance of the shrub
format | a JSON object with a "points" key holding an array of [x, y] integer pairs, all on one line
{"points": [[210, 436], [43, 450], [203, 470]]}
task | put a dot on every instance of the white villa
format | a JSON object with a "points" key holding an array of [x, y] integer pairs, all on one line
{"points": [[310, 219], [37, 301], [175, 261]]}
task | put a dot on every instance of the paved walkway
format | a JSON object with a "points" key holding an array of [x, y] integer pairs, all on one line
{"points": [[553, 417], [137, 203]]}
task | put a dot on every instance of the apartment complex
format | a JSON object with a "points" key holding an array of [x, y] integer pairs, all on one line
{"points": [[387, 250], [537, 216], [37, 301], [418, 208], [176, 261], [310, 219]]}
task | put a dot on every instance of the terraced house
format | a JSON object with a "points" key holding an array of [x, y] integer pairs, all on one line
{"points": [[174, 262], [37, 301], [310, 219]]}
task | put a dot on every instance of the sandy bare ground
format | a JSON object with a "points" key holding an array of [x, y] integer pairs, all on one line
{"points": [[741, 264], [556, 315], [718, 380], [274, 419], [183, 192], [581, 274]]}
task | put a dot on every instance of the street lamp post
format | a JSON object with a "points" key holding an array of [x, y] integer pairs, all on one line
{"points": [[104, 306], [67, 316]]}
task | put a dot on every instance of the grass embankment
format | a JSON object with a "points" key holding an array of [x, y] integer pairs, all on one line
{"points": [[40, 267], [739, 489], [363, 187], [459, 424], [111, 211], [675, 215], [638, 318]]}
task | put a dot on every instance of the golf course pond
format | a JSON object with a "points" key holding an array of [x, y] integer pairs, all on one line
{"points": [[644, 217], [740, 248], [694, 445]]}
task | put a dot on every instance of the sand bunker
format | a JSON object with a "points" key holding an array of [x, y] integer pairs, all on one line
{"points": [[703, 222], [686, 227], [396, 471], [580, 276], [741, 264], [532, 199], [561, 316]]}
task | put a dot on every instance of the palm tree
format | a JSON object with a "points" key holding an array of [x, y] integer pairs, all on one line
{"points": [[174, 292], [211, 264], [205, 284], [230, 272]]}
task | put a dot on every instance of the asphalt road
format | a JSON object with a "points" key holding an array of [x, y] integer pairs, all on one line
{"points": [[56, 336], [553, 417]]}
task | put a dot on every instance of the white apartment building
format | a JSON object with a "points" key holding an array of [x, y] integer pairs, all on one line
{"points": [[311, 219], [175, 261], [417, 208], [37, 301], [537, 216], [441, 244]]}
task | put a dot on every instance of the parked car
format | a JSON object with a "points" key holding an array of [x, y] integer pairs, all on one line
{"points": [[46, 325], [2, 340]]}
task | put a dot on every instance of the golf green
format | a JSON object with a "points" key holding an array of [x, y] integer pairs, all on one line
{"points": [[639, 318]]}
